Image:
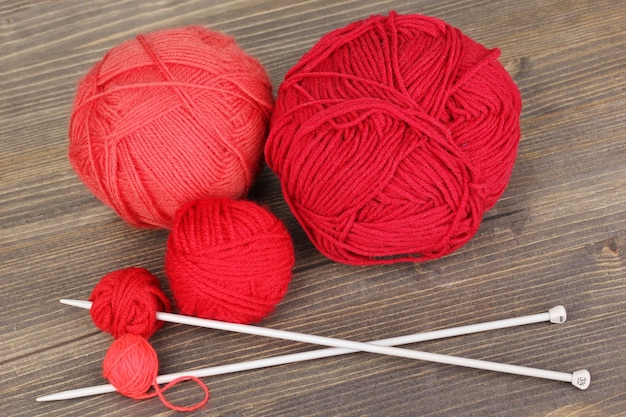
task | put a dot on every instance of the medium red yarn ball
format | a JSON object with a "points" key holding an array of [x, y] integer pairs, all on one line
{"points": [[131, 366], [392, 137], [126, 302], [170, 117], [228, 260]]}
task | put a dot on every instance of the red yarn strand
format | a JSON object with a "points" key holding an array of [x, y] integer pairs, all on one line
{"points": [[160, 392]]}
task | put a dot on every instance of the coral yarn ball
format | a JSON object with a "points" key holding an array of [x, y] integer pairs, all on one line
{"points": [[170, 117], [228, 260], [131, 366], [392, 137], [126, 301]]}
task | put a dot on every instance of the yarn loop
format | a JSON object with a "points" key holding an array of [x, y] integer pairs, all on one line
{"points": [[392, 137]]}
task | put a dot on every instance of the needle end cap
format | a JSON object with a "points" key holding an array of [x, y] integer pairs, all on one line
{"points": [[581, 379], [558, 314]]}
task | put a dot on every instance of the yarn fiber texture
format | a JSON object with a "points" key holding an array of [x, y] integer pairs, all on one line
{"points": [[167, 118], [392, 137], [126, 302], [228, 260]]}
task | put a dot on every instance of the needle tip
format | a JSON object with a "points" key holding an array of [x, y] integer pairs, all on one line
{"points": [[76, 303]]}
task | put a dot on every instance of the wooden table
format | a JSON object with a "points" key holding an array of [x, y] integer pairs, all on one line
{"points": [[557, 236]]}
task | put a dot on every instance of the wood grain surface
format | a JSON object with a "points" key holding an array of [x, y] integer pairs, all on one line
{"points": [[557, 236]]}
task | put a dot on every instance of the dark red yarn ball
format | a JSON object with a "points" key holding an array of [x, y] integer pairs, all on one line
{"points": [[228, 260], [126, 302], [392, 137]]}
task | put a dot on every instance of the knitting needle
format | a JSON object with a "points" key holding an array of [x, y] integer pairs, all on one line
{"points": [[580, 379], [573, 378], [554, 315]]}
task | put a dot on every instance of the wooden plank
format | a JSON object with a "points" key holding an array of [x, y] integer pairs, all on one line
{"points": [[557, 236]]}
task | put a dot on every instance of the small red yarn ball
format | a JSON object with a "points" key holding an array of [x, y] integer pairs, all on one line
{"points": [[228, 260], [126, 302], [131, 366], [169, 117], [392, 137]]}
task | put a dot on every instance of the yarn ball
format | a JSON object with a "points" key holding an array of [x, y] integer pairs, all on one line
{"points": [[126, 302], [169, 117], [228, 260], [131, 365], [392, 137]]}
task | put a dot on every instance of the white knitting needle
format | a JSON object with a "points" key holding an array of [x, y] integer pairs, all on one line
{"points": [[580, 379]]}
